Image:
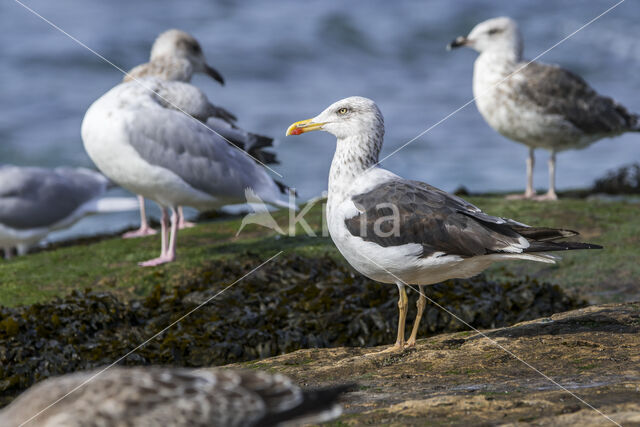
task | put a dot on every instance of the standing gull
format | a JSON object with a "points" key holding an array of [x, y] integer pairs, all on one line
{"points": [[137, 137], [36, 201], [177, 56], [539, 105], [154, 396], [394, 230]]}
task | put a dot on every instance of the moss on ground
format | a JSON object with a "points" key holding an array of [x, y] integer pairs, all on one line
{"points": [[110, 264]]}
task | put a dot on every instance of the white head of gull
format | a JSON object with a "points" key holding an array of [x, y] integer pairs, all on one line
{"points": [[394, 230], [539, 105], [158, 396], [140, 137]]}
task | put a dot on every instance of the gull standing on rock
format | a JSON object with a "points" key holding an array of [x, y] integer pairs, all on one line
{"points": [[149, 137], [177, 56], [159, 397], [394, 230], [539, 105]]}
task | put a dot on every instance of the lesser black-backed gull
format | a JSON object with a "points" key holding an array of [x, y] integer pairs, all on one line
{"points": [[137, 138], [394, 230], [154, 396], [177, 56], [539, 105], [35, 201]]}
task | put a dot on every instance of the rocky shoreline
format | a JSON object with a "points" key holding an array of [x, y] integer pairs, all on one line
{"points": [[466, 379]]}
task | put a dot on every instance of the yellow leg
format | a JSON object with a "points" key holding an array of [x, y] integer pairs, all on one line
{"points": [[403, 307], [421, 304]]}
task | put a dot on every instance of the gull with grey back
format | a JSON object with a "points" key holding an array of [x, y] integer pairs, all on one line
{"points": [[538, 105], [148, 136], [177, 56], [404, 232], [35, 201], [155, 396]]}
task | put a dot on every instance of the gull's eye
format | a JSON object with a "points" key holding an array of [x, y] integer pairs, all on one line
{"points": [[494, 31], [343, 111]]}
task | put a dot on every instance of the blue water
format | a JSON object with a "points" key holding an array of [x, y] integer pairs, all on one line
{"points": [[287, 60]]}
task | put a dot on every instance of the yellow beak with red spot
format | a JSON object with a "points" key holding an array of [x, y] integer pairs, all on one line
{"points": [[303, 126]]}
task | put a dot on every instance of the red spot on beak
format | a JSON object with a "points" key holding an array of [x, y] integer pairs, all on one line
{"points": [[296, 131]]}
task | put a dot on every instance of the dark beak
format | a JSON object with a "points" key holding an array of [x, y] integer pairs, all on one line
{"points": [[214, 74], [459, 41]]}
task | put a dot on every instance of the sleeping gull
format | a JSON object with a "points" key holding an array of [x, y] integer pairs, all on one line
{"points": [[154, 396], [539, 105], [35, 201], [137, 137], [176, 56], [394, 230]]}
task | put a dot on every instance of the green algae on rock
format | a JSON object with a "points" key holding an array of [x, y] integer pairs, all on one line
{"points": [[291, 303]]}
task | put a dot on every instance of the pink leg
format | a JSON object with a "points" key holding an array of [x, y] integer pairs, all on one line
{"points": [[168, 252], [530, 192], [171, 252], [144, 229], [182, 223]]}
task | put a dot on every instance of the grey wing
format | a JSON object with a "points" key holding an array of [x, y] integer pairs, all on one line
{"points": [[559, 91], [204, 160], [399, 212], [37, 197]]}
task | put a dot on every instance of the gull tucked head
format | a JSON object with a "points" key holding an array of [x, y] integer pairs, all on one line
{"points": [[176, 44], [497, 34], [353, 116]]}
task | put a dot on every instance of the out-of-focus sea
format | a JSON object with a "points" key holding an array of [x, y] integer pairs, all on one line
{"points": [[287, 60]]}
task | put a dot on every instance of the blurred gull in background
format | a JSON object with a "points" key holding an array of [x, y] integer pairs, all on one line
{"points": [[539, 105], [35, 201], [176, 56], [140, 137]]}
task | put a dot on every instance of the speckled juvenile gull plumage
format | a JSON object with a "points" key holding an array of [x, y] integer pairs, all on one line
{"points": [[394, 230], [139, 136], [177, 56], [35, 201], [539, 105], [154, 396]]}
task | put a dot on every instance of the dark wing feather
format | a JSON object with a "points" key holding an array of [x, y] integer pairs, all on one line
{"points": [[252, 143], [559, 91], [428, 216], [399, 212]]}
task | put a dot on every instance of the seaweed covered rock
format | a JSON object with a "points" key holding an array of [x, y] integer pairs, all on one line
{"points": [[291, 303]]}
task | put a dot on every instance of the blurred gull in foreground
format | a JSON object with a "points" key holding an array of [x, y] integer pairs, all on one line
{"points": [[394, 230], [137, 138], [541, 106], [177, 56], [36, 201], [153, 396]]}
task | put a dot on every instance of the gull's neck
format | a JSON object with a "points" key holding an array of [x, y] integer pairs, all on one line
{"points": [[500, 56], [492, 66], [353, 157], [172, 68]]}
